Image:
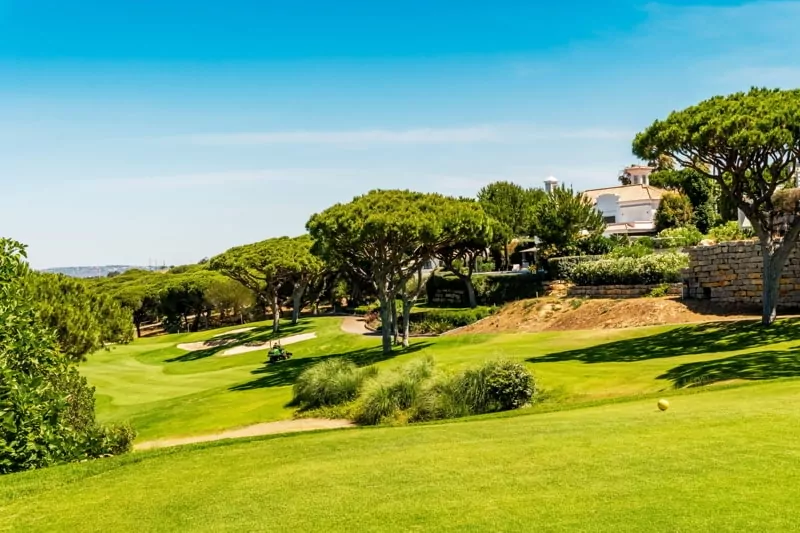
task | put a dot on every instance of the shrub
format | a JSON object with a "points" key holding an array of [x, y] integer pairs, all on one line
{"points": [[496, 386], [659, 292], [385, 397], [561, 267], [648, 270], [679, 237], [435, 321], [729, 231], [637, 248], [675, 210], [331, 382]]}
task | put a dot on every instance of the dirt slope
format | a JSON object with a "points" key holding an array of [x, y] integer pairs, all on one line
{"points": [[560, 314]]}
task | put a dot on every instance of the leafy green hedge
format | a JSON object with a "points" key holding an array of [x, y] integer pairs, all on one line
{"points": [[648, 270], [562, 267], [425, 321], [490, 289]]}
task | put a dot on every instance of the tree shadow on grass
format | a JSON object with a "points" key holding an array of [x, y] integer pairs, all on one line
{"points": [[286, 372], [687, 340], [749, 366], [226, 341]]}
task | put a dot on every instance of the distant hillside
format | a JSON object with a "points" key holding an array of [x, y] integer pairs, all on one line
{"points": [[94, 271]]}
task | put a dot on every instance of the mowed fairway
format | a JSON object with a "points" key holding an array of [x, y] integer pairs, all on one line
{"points": [[167, 392], [720, 460]]}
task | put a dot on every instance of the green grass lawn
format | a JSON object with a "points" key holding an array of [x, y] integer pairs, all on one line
{"points": [[724, 459], [167, 392]]}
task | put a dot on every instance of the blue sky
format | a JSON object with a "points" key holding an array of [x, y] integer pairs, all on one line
{"points": [[171, 130]]}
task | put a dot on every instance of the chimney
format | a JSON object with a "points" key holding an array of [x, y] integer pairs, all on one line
{"points": [[550, 184]]}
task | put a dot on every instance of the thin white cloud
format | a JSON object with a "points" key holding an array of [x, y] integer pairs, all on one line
{"points": [[205, 179], [356, 137], [474, 134]]}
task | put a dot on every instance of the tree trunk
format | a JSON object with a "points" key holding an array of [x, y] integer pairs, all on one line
{"points": [[394, 328], [773, 267], [138, 325], [276, 313], [407, 305], [506, 266], [386, 319], [297, 295], [473, 301]]}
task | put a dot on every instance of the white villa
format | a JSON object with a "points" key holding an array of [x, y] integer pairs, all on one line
{"points": [[627, 209]]}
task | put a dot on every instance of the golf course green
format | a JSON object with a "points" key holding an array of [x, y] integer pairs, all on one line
{"points": [[594, 454]]}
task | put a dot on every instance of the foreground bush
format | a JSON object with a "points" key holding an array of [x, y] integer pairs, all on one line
{"points": [[331, 382], [647, 270], [386, 397], [46, 407]]}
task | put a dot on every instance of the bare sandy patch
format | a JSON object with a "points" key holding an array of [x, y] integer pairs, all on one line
{"points": [[268, 428], [205, 345]]}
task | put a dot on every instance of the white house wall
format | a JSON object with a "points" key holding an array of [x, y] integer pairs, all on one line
{"points": [[636, 212], [608, 205]]}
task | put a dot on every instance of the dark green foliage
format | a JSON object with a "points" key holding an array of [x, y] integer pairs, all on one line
{"points": [[637, 248], [561, 267], [563, 218], [648, 270], [702, 192], [490, 289], [46, 407], [674, 211], [435, 321], [331, 382], [84, 319]]}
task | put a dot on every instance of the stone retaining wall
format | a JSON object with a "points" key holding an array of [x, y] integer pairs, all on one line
{"points": [[730, 273], [620, 291]]}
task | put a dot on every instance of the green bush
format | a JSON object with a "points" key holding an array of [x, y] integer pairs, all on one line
{"points": [[387, 396], [496, 386], [637, 248], [679, 237], [648, 270], [331, 382], [435, 321], [729, 231], [561, 267], [490, 289]]}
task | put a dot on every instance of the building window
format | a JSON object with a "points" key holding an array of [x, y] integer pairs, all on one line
{"points": [[610, 220]]}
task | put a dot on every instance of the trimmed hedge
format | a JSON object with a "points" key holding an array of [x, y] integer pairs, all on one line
{"points": [[490, 289], [647, 270], [436, 321], [561, 267]]}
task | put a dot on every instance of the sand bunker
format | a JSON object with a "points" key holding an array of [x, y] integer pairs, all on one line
{"points": [[244, 348], [262, 345], [233, 332]]}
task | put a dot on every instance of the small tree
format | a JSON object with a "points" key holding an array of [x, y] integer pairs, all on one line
{"points": [[564, 217], [674, 211], [749, 144], [386, 236], [265, 267], [512, 206]]}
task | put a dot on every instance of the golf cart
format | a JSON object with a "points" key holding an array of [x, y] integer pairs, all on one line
{"points": [[277, 353]]}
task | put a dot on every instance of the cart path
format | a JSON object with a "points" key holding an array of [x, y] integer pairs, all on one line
{"points": [[355, 325], [267, 428]]}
